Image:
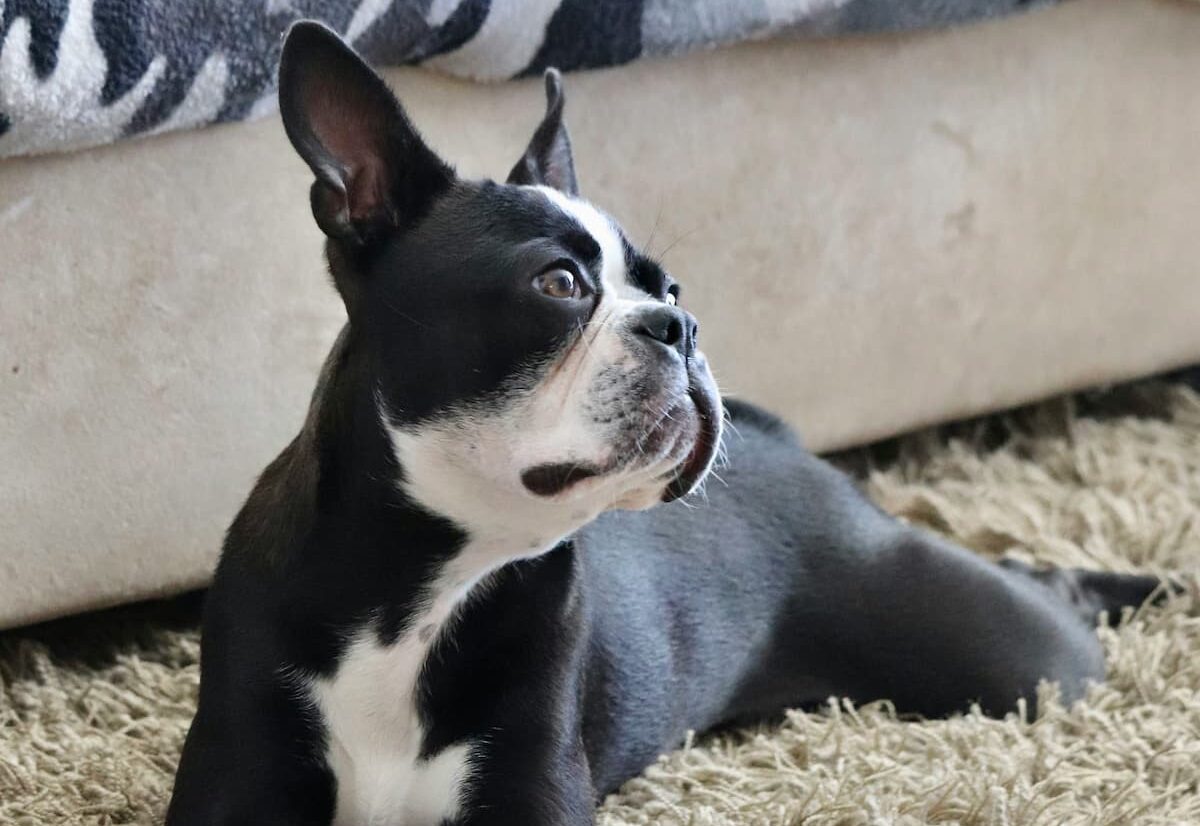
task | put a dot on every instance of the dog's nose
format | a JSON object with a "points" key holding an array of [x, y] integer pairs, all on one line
{"points": [[672, 326]]}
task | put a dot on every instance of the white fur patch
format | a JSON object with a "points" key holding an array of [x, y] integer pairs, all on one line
{"points": [[373, 731], [620, 294], [598, 225]]}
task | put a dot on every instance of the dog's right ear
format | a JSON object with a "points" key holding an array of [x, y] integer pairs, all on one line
{"points": [[548, 160], [374, 172]]}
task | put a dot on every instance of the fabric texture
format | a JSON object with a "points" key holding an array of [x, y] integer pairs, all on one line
{"points": [[93, 710], [77, 73]]}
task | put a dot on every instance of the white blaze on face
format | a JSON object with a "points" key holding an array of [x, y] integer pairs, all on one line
{"points": [[614, 271]]}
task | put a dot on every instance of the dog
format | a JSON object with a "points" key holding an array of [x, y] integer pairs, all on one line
{"points": [[478, 587]]}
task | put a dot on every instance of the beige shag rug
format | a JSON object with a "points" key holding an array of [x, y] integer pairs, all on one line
{"points": [[93, 710]]}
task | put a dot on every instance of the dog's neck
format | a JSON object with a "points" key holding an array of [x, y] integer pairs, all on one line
{"points": [[440, 473], [374, 472]]}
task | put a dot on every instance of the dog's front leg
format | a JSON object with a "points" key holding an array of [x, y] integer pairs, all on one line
{"points": [[525, 783], [248, 774]]}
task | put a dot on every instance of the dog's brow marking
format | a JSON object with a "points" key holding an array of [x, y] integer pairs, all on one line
{"points": [[612, 250]]}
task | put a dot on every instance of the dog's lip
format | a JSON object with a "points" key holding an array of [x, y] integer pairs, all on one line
{"points": [[697, 461]]}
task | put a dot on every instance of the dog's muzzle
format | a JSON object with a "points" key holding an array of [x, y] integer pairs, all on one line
{"points": [[698, 416]]}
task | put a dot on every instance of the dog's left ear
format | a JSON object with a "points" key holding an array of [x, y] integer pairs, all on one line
{"points": [[547, 160], [373, 170]]}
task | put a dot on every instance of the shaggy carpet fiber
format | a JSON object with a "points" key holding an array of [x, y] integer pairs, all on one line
{"points": [[93, 710]]}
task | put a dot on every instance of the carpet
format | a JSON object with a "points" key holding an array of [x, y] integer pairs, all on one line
{"points": [[93, 709]]}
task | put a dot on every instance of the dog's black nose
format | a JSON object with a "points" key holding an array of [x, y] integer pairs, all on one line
{"points": [[672, 326]]}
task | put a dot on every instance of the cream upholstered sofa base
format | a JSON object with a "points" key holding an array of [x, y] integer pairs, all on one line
{"points": [[875, 235]]}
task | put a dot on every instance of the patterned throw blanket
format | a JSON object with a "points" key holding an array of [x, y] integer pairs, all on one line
{"points": [[77, 73]]}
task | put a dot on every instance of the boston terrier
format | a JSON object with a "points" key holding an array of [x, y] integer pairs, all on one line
{"points": [[483, 585]]}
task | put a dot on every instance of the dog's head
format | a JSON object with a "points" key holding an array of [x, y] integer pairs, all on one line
{"points": [[526, 357]]}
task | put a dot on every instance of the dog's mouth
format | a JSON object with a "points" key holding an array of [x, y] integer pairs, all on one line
{"points": [[695, 465]]}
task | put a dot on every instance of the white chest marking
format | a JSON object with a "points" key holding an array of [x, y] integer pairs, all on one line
{"points": [[374, 733]]}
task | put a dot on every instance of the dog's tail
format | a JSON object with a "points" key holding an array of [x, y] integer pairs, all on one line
{"points": [[1094, 594]]}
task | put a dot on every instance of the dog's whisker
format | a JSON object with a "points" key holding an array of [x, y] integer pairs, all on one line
{"points": [[654, 229], [682, 236]]}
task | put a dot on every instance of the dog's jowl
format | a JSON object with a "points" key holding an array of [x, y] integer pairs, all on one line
{"points": [[480, 585]]}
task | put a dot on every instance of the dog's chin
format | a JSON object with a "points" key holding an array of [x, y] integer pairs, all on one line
{"points": [[674, 459]]}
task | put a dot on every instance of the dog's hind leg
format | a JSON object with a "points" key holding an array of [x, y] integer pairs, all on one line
{"points": [[945, 628], [933, 628]]}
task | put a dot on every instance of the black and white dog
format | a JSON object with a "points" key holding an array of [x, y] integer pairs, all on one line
{"points": [[467, 591]]}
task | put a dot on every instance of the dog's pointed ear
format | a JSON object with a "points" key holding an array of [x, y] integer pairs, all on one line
{"points": [[547, 160], [373, 170]]}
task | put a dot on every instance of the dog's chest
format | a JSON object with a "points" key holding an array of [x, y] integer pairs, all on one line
{"points": [[374, 736]]}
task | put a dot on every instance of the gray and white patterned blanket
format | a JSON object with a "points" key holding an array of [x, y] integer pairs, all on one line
{"points": [[77, 73]]}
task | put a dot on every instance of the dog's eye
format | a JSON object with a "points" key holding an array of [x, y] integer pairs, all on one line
{"points": [[557, 283], [672, 295]]}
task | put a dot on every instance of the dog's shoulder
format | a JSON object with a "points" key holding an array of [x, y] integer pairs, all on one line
{"points": [[281, 508]]}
